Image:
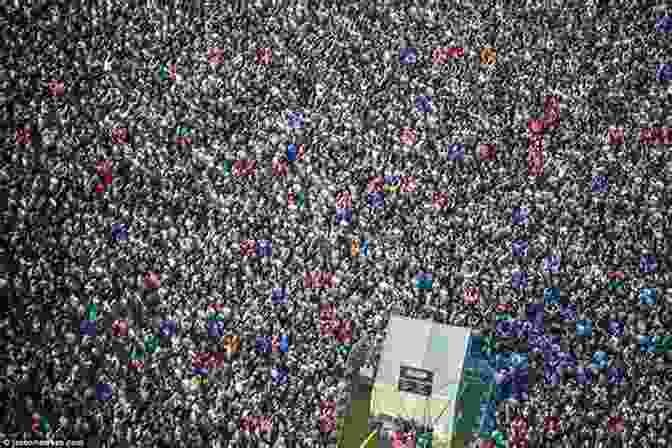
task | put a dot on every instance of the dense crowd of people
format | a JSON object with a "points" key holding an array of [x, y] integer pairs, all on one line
{"points": [[185, 217]]}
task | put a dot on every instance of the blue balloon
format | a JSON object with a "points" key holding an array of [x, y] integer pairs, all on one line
{"points": [[292, 151]]}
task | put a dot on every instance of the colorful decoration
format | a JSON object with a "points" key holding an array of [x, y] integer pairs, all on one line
{"points": [[120, 328], [403, 439], [319, 280], [408, 184], [264, 56], [535, 163], [215, 56], [408, 136], [56, 88], [615, 424], [442, 55], [183, 136], [248, 248], [616, 136], [244, 168], [344, 200], [487, 152], [440, 200], [120, 136], [23, 136], [535, 127], [551, 424], [152, 280], [472, 295], [551, 112], [280, 168], [327, 417]]}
